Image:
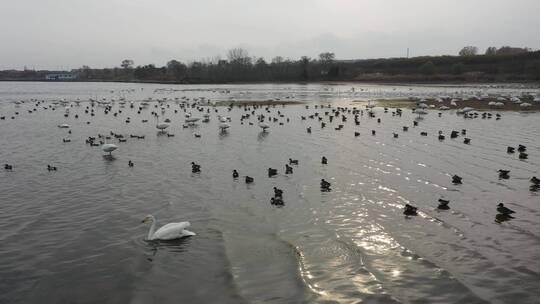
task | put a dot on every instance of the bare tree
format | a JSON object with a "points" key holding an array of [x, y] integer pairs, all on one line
{"points": [[468, 51], [127, 63], [491, 50], [327, 57], [304, 61], [277, 60], [239, 56]]}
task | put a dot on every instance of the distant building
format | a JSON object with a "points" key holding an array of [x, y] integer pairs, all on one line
{"points": [[61, 76]]}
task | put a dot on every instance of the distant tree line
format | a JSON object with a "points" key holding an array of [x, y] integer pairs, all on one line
{"points": [[492, 51], [502, 64]]}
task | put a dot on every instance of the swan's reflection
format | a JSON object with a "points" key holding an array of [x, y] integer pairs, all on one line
{"points": [[262, 135], [223, 134], [175, 246], [109, 157]]}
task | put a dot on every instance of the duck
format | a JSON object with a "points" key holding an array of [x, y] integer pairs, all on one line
{"points": [[235, 174], [510, 150], [66, 140], [277, 201], [288, 169], [373, 132], [325, 186], [535, 180], [51, 168], [197, 135], [272, 172], [195, 168], [293, 161], [504, 210], [324, 161], [168, 232], [523, 155], [522, 148], [423, 134], [249, 179], [410, 210], [504, 174], [467, 141], [130, 163], [456, 179], [278, 192], [443, 204], [8, 167]]}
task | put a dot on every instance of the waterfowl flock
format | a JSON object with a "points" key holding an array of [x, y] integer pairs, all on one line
{"points": [[264, 117]]}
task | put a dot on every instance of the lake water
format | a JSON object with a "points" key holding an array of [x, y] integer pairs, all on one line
{"points": [[75, 235]]}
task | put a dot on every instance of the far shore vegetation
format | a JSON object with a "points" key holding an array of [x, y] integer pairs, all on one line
{"points": [[504, 64]]}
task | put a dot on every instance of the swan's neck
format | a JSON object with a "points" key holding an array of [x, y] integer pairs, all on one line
{"points": [[152, 230]]}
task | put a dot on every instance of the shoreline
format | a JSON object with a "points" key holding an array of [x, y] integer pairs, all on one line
{"points": [[329, 82], [480, 105]]}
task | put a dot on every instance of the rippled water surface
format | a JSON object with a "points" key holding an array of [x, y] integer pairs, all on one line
{"points": [[75, 235]]}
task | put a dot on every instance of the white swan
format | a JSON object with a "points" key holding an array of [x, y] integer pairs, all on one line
{"points": [[168, 232], [224, 126], [264, 126], [108, 148]]}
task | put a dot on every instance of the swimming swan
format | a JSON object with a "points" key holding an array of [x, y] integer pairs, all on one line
{"points": [[168, 232]]}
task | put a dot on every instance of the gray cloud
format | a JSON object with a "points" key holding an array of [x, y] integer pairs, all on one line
{"points": [[69, 33]]}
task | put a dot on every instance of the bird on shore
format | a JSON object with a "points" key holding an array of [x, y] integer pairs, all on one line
{"points": [[443, 204], [535, 180], [51, 168], [522, 148], [293, 161], [8, 167], [249, 179], [168, 232], [130, 163], [510, 150], [235, 174], [410, 210], [456, 179], [523, 155], [324, 161]]}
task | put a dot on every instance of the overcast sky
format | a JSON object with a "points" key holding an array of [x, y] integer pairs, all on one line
{"points": [[55, 34]]}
